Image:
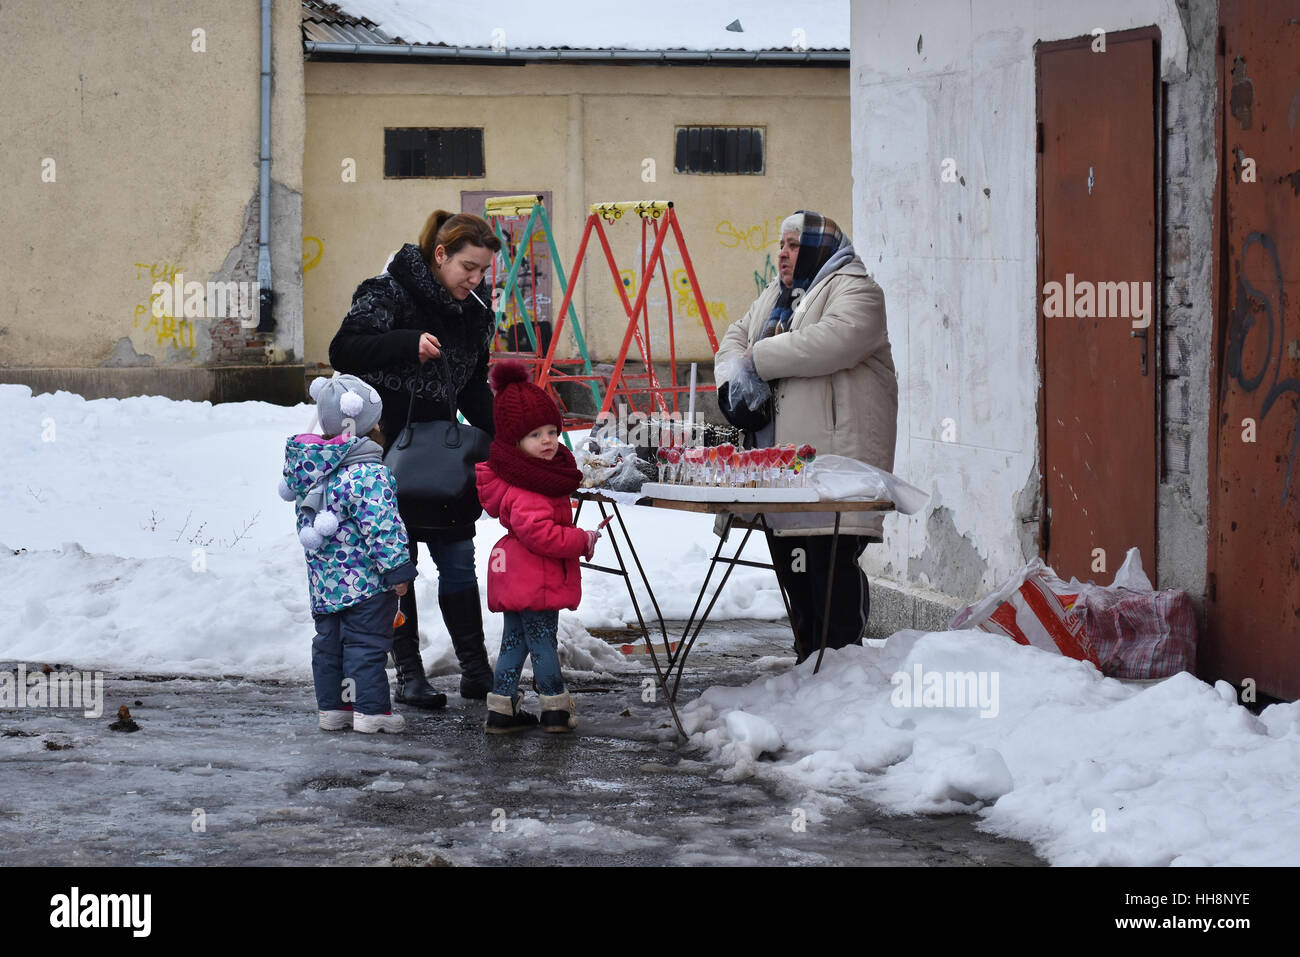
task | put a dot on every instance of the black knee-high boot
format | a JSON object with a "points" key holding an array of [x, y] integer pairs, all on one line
{"points": [[464, 619], [413, 687]]}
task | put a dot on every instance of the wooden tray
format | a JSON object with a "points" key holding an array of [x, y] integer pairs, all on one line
{"points": [[703, 493]]}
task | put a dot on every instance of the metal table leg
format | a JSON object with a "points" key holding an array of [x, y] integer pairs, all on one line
{"points": [[618, 523]]}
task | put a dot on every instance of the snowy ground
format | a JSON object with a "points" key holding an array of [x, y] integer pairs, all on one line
{"points": [[145, 535]]}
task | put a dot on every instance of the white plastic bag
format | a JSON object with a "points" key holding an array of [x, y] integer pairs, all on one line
{"points": [[846, 479]]}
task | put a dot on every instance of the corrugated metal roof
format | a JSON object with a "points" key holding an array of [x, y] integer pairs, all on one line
{"points": [[331, 31], [327, 23]]}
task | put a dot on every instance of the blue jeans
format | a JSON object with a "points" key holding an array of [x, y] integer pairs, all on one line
{"points": [[529, 633], [455, 561], [354, 643]]}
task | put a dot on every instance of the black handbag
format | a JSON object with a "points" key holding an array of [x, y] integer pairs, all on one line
{"points": [[433, 466]]}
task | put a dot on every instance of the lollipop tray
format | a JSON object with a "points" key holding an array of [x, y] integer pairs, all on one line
{"points": [[707, 493]]}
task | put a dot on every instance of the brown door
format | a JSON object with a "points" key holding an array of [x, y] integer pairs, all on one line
{"points": [[1254, 556], [1097, 230]]}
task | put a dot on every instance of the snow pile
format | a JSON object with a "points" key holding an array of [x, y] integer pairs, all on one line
{"points": [[150, 537], [1088, 769]]}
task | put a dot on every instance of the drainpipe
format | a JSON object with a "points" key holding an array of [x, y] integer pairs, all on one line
{"points": [[266, 298]]}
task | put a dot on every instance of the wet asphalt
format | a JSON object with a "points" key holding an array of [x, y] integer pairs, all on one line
{"points": [[233, 771]]}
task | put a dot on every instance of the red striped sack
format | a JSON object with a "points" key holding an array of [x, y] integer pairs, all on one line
{"points": [[1033, 607]]}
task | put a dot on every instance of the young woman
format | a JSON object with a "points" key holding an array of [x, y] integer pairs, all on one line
{"points": [[431, 301]]}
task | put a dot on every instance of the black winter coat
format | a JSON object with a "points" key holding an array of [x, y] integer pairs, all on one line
{"points": [[379, 341]]}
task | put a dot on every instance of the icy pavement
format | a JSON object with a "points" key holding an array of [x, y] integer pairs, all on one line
{"points": [[233, 771]]}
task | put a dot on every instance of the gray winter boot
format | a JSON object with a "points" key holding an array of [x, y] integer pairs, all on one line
{"points": [[504, 715], [558, 712]]}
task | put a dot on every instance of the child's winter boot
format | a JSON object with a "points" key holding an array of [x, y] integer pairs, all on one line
{"points": [[371, 723], [336, 720], [504, 715], [558, 712]]}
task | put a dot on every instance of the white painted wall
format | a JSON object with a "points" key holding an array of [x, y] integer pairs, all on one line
{"points": [[960, 294]]}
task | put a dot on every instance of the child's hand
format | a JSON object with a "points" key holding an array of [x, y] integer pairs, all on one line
{"points": [[592, 538], [400, 589]]}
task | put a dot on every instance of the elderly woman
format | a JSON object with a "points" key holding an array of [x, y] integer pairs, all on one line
{"points": [[430, 301], [810, 362]]}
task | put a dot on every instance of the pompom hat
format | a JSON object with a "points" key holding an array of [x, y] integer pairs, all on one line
{"points": [[346, 404], [519, 406]]}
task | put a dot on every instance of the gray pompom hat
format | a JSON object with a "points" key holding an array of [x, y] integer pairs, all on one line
{"points": [[346, 404]]}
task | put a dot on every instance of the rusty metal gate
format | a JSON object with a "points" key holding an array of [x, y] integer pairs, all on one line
{"points": [[1098, 358], [1254, 498]]}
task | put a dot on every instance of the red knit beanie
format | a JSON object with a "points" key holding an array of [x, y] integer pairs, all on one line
{"points": [[519, 406]]}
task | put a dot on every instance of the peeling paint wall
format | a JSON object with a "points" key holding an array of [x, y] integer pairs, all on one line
{"points": [[148, 116], [953, 80]]}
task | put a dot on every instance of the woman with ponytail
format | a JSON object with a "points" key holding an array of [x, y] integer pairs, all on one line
{"points": [[432, 300]]}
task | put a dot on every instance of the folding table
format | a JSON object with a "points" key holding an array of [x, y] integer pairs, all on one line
{"points": [[747, 515]]}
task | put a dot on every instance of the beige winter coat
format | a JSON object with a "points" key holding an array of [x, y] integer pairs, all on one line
{"points": [[832, 375]]}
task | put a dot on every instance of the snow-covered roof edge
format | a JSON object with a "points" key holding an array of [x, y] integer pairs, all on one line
{"points": [[581, 30]]}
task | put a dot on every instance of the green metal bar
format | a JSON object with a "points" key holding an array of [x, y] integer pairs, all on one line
{"points": [[573, 315], [512, 279]]}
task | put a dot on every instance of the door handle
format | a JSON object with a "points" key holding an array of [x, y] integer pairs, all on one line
{"points": [[1141, 334]]}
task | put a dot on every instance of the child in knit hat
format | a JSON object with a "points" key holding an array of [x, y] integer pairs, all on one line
{"points": [[357, 558], [533, 572]]}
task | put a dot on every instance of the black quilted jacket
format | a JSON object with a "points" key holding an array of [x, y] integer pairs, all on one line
{"points": [[380, 336]]}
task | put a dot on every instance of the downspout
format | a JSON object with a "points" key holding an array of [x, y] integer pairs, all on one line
{"points": [[266, 298]]}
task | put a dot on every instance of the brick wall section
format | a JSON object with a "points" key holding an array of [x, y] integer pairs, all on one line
{"points": [[231, 342]]}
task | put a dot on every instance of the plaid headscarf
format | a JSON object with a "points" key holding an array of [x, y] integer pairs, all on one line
{"points": [[818, 241]]}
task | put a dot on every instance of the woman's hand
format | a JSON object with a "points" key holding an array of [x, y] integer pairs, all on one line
{"points": [[430, 347]]}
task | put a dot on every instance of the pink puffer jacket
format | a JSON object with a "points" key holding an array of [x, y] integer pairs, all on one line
{"points": [[535, 566]]}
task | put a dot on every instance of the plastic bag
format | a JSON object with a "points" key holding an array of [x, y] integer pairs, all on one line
{"points": [[1032, 607], [1136, 631], [839, 477], [744, 387], [607, 463], [1127, 628]]}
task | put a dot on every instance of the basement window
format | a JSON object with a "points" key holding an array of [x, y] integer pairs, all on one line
{"points": [[449, 153], [723, 150]]}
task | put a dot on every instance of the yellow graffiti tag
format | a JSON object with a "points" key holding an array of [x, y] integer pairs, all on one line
{"points": [[310, 259], [756, 237], [686, 303]]}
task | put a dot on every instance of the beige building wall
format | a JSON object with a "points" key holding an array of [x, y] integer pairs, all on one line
{"points": [[128, 154], [583, 132]]}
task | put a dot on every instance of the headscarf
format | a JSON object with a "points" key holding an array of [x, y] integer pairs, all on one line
{"points": [[819, 239]]}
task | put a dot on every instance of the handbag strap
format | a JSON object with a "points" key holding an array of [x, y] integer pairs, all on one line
{"points": [[404, 439]]}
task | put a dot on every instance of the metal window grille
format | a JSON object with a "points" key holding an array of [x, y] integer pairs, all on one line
{"points": [[428, 153], [719, 149]]}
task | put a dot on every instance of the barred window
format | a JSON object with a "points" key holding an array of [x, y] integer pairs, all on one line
{"points": [[415, 152], [719, 149]]}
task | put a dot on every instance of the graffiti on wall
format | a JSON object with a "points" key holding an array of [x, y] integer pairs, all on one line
{"points": [[755, 237], [687, 305], [1251, 301], [764, 275], [312, 250], [166, 328]]}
